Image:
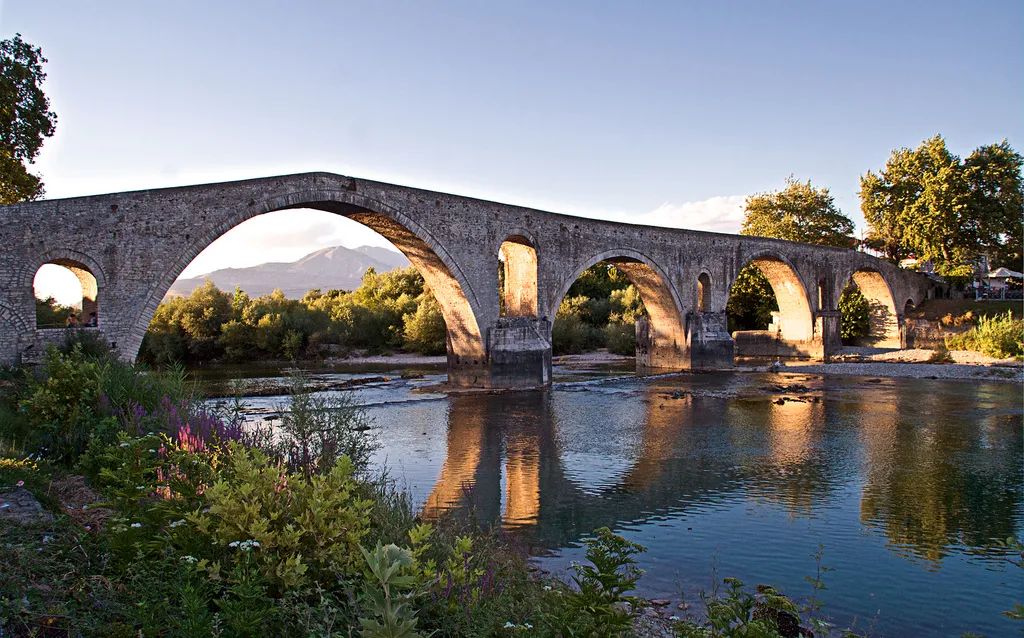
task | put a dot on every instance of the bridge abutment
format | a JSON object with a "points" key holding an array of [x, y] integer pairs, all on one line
{"points": [[708, 345]]}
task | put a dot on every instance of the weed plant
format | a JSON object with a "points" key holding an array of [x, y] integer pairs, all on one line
{"points": [[1000, 336]]}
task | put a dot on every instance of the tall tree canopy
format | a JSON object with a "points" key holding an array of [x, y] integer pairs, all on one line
{"points": [[798, 212], [25, 118], [929, 204]]}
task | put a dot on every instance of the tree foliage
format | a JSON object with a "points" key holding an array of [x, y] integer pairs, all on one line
{"points": [[392, 310], [599, 310], [25, 118], [798, 212], [929, 204], [751, 301]]}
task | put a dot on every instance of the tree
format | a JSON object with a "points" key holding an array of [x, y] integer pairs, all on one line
{"points": [[929, 204], [799, 212], [25, 119]]}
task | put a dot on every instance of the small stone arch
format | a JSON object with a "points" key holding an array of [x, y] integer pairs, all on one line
{"points": [[519, 266], [458, 301], [795, 318], [88, 271], [703, 292]]}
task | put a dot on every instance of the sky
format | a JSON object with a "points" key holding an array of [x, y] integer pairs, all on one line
{"points": [[664, 113]]}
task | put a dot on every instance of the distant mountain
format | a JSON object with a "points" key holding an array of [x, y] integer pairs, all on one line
{"points": [[330, 268]]}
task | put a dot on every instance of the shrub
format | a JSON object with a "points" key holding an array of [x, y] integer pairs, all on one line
{"points": [[620, 338], [425, 330], [1000, 336], [317, 428], [601, 607], [302, 527], [856, 314], [63, 405]]}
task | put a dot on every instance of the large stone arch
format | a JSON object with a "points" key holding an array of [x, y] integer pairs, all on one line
{"points": [[666, 328], [796, 317], [458, 301]]}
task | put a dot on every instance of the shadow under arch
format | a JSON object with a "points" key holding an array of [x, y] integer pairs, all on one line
{"points": [[667, 330], [795, 320], [883, 317], [433, 262]]}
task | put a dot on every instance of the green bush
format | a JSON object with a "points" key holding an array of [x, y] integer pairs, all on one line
{"points": [[620, 338], [751, 301], [303, 528], [1000, 336], [425, 330], [856, 314], [63, 405]]}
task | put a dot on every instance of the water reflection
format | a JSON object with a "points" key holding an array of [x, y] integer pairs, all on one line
{"points": [[939, 476], [931, 477]]}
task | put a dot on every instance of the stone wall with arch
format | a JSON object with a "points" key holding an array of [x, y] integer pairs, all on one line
{"points": [[137, 243]]}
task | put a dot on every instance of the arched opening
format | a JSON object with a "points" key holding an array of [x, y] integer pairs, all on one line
{"points": [[768, 295], [822, 295], [395, 292], [66, 293], [703, 292], [869, 311], [517, 260], [623, 296], [769, 314]]}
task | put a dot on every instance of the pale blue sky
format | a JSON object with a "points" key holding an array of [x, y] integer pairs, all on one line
{"points": [[654, 112]]}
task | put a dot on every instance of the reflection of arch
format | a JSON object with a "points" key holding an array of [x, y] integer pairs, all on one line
{"points": [[519, 261], [651, 282], [458, 301], [883, 319], [703, 292], [795, 321]]}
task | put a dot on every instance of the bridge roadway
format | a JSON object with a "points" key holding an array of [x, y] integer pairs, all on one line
{"points": [[128, 248]]}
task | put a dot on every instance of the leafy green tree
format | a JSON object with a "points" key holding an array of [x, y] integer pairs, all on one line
{"points": [[25, 118], [798, 212], [929, 204], [425, 329], [751, 301]]}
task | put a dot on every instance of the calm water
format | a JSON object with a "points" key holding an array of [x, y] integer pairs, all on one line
{"points": [[904, 482]]}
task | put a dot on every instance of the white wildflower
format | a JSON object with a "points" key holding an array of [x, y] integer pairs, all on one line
{"points": [[509, 625], [177, 523], [136, 524], [189, 559], [126, 444]]}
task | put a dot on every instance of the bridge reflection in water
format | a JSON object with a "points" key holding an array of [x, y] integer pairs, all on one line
{"points": [[558, 464]]}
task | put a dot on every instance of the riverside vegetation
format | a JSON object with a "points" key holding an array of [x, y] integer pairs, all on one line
{"points": [[389, 311], [189, 522]]}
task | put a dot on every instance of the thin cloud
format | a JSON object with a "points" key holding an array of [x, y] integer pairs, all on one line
{"points": [[717, 214]]}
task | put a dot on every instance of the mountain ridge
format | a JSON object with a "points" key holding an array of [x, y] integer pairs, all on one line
{"points": [[331, 268]]}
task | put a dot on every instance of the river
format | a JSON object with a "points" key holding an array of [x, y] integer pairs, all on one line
{"points": [[905, 484]]}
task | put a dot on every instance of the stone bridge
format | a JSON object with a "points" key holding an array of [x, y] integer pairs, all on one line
{"points": [[128, 248]]}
